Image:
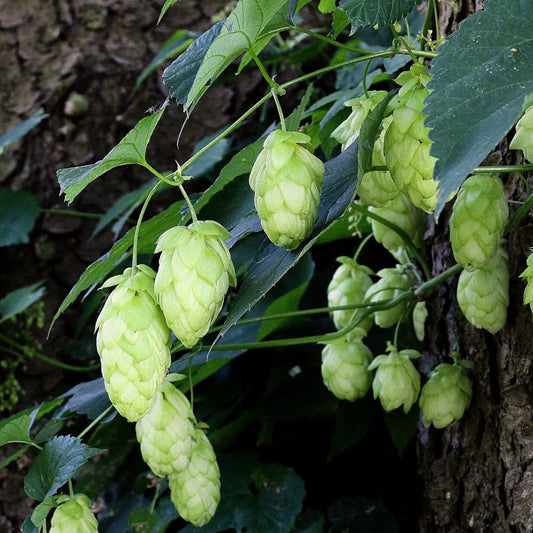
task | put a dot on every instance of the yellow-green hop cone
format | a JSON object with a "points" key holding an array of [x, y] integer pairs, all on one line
{"points": [[348, 286], [478, 220], [133, 341], [287, 181], [445, 396], [195, 492], [396, 381], [420, 314], [483, 293], [166, 432], [407, 144], [528, 276], [195, 272], [523, 138], [345, 367], [74, 515]]}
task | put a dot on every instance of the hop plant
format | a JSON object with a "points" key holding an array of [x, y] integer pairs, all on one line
{"points": [[445, 396], [74, 515], [287, 181], [195, 272], [483, 293], [478, 220], [420, 313], [348, 286], [396, 381], [523, 137], [407, 143], [345, 366], [528, 276], [195, 492], [393, 282], [166, 432], [133, 341]]}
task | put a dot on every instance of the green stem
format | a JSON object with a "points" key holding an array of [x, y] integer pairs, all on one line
{"points": [[503, 168], [362, 245], [273, 85], [321, 37], [428, 21], [189, 204], [70, 488], [280, 111], [520, 213], [102, 415]]}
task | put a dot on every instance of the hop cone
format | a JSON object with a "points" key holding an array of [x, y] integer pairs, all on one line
{"points": [[345, 367], [483, 293], [74, 515], [528, 276], [523, 138], [348, 131], [348, 286], [407, 143], [195, 492], [478, 220], [393, 282], [133, 341], [445, 396], [195, 271], [166, 432], [287, 180], [420, 313], [397, 381]]}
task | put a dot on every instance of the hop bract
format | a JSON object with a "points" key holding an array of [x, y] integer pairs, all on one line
{"points": [[445, 396], [478, 220], [345, 367], [133, 341], [523, 138], [166, 432], [348, 286], [74, 515], [483, 293], [195, 272], [528, 276], [397, 381], [287, 181], [195, 492]]}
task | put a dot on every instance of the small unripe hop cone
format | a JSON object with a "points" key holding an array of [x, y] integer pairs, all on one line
{"points": [[528, 276], [74, 515], [523, 138], [287, 180]]}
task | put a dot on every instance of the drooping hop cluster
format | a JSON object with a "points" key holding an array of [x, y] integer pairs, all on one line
{"points": [[445, 396], [523, 138], [483, 293], [396, 381], [348, 286], [287, 180], [528, 276], [345, 366], [407, 143], [133, 341], [195, 492], [478, 220], [195, 272], [74, 515]]}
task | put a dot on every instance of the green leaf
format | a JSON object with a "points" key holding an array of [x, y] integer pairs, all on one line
{"points": [[28, 526], [129, 151], [142, 520], [14, 134], [480, 79], [13, 457], [238, 34], [16, 301], [18, 212], [164, 9], [55, 465], [40, 512], [358, 514], [16, 428], [89, 398], [402, 427], [371, 12]]}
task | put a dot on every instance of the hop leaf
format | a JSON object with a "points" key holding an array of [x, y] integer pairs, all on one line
{"points": [[445, 396], [166, 432], [74, 515], [528, 276], [195, 272], [195, 492], [523, 138], [287, 181], [478, 220], [483, 293], [133, 341]]}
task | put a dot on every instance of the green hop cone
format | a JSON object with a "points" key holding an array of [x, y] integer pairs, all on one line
{"points": [[195, 272], [348, 131], [287, 181], [523, 137], [396, 381], [483, 293], [528, 276], [133, 341], [393, 282], [420, 313], [445, 396], [74, 515], [166, 432], [478, 220], [195, 492], [407, 143], [348, 286], [345, 367]]}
